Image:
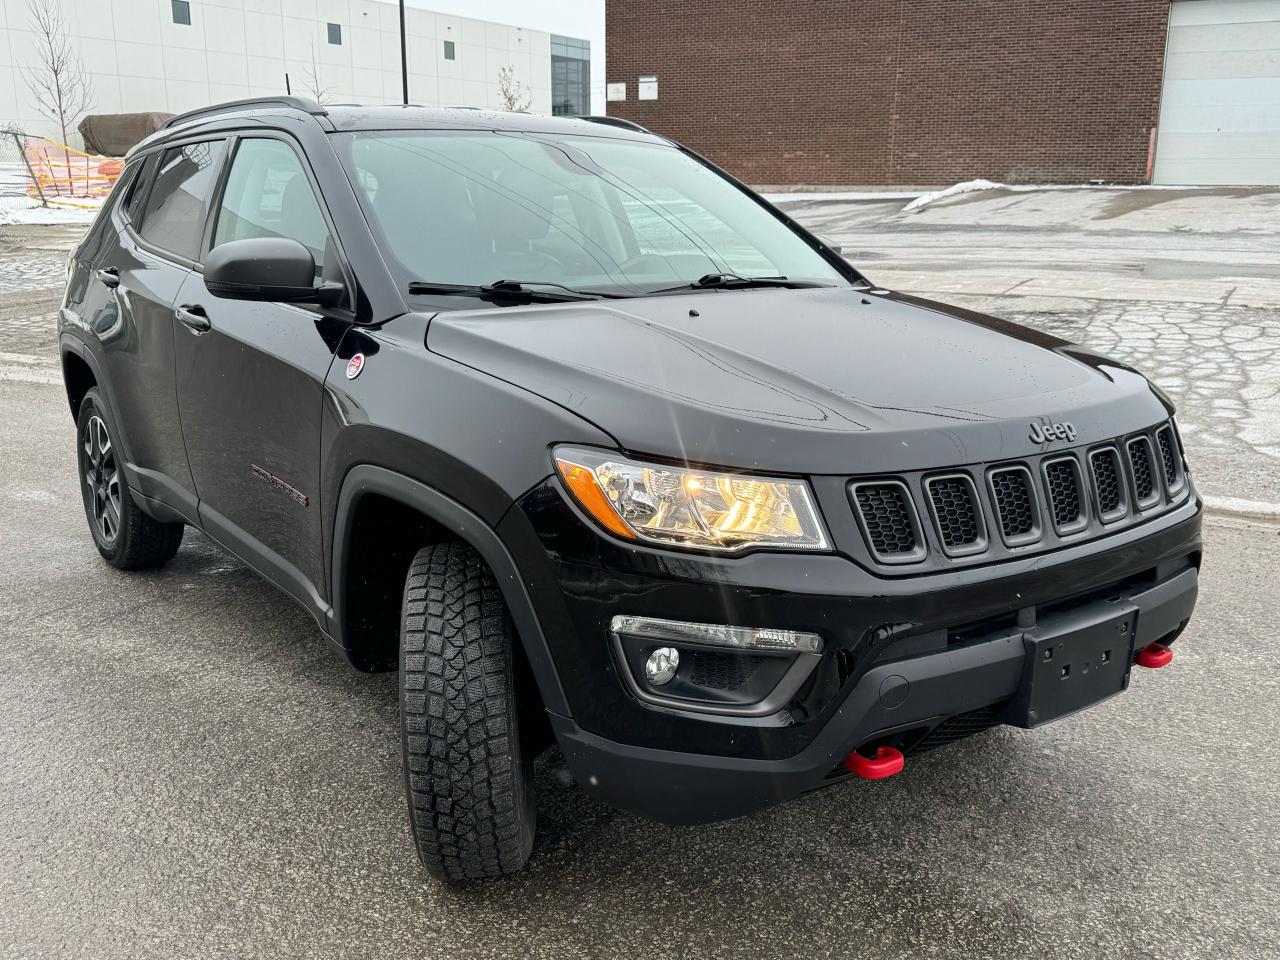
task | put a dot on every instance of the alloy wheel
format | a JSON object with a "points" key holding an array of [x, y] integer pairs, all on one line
{"points": [[102, 478]]}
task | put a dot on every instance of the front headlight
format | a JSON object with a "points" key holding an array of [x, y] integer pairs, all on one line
{"points": [[691, 508]]}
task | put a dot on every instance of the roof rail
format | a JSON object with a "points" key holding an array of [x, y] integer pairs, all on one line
{"points": [[294, 103], [617, 122]]}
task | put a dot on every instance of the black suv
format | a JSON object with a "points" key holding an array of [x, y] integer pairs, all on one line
{"points": [[600, 450]]}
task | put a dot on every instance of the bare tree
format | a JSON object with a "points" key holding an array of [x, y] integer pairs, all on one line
{"points": [[57, 78], [515, 99], [311, 81]]}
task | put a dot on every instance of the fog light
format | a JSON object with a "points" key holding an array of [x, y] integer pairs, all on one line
{"points": [[662, 665]]}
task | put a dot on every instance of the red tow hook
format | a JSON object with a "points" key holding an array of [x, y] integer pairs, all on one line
{"points": [[1154, 656], [886, 762]]}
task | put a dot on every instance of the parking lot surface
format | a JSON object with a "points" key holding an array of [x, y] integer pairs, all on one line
{"points": [[187, 771]]}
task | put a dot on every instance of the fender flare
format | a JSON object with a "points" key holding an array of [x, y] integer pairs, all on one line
{"points": [[368, 479]]}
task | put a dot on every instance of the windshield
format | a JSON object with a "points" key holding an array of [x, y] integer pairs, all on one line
{"points": [[586, 213]]}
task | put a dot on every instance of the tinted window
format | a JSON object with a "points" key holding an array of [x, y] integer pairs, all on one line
{"points": [[176, 208], [268, 195]]}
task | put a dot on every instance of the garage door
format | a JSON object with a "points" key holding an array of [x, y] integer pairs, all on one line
{"points": [[1220, 112]]}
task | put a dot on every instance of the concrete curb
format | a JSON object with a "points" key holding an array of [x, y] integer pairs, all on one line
{"points": [[1238, 509]]}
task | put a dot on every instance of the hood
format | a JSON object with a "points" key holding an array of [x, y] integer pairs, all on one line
{"points": [[803, 381]]}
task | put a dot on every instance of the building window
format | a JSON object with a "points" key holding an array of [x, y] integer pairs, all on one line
{"points": [[335, 34], [181, 12], [570, 77], [449, 50]]}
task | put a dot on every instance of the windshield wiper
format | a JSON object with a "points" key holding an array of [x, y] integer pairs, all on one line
{"points": [[731, 281], [523, 290]]}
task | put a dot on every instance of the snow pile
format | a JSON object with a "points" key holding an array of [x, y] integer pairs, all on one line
{"points": [[801, 196], [15, 210], [969, 186]]}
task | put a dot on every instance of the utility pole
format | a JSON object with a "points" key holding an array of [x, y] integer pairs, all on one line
{"points": [[404, 57]]}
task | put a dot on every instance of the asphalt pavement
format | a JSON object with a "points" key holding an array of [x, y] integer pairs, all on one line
{"points": [[186, 770]]}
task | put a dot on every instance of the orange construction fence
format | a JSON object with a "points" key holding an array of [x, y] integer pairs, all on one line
{"points": [[66, 174]]}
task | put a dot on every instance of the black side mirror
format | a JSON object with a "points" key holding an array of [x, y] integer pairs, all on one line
{"points": [[266, 268]]}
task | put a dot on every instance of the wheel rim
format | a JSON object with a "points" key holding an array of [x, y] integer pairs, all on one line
{"points": [[102, 479]]}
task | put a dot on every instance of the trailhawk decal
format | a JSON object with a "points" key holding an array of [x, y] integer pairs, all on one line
{"points": [[354, 366], [271, 478]]}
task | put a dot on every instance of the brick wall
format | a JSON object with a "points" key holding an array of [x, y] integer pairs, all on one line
{"points": [[912, 92]]}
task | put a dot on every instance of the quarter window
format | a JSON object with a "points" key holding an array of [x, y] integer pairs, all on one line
{"points": [[268, 195], [175, 212]]}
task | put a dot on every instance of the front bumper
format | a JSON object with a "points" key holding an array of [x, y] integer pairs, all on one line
{"points": [[902, 656], [680, 787]]}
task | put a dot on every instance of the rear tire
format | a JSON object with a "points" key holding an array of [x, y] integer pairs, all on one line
{"points": [[125, 536], [468, 781]]}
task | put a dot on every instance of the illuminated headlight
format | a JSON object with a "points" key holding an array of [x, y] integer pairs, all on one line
{"points": [[691, 508]]}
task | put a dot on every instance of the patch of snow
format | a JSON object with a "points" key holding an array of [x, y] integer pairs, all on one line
{"points": [[28, 210], [800, 196], [971, 186], [968, 186]]}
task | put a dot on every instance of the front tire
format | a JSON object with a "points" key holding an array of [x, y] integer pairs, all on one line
{"points": [[468, 781], [125, 536]]}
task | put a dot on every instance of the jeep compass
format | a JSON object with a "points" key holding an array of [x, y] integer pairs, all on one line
{"points": [[602, 452]]}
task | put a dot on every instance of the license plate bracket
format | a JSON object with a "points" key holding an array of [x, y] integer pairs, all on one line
{"points": [[1073, 661]]}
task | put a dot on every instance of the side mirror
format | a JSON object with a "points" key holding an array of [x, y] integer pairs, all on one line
{"points": [[266, 268], [830, 244]]}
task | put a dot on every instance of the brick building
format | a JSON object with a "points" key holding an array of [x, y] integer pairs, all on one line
{"points": [[921, 92]]}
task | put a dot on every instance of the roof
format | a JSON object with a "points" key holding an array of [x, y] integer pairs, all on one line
{"points": [[350, 117]]}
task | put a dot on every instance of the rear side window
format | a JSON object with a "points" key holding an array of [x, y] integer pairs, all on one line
{"points": [[176, 207], [133, 200], [268, 195]]}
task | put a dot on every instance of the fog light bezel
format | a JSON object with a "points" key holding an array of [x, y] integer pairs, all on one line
{"points": [[634, 638]]}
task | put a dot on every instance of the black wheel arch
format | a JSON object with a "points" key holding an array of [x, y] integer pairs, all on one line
{"points": [[445, 518]]}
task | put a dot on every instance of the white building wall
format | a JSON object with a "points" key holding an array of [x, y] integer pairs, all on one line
{"points": [[140, 60]]}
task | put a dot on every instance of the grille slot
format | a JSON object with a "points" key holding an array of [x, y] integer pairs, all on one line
{"points": [[1107, 484], [1015, 503], [1066, 500], [1146, 490], [889, 521], [1169, 458], [953, 501]]}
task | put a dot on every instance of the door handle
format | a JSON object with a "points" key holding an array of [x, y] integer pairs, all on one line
{"points": [[108, 277], [193, 316]]}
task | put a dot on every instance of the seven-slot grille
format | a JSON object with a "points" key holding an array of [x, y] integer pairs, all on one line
{"points": [[1066, 496], [954, 503], [1035, 503], [1015, 503], [888, 519]]}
